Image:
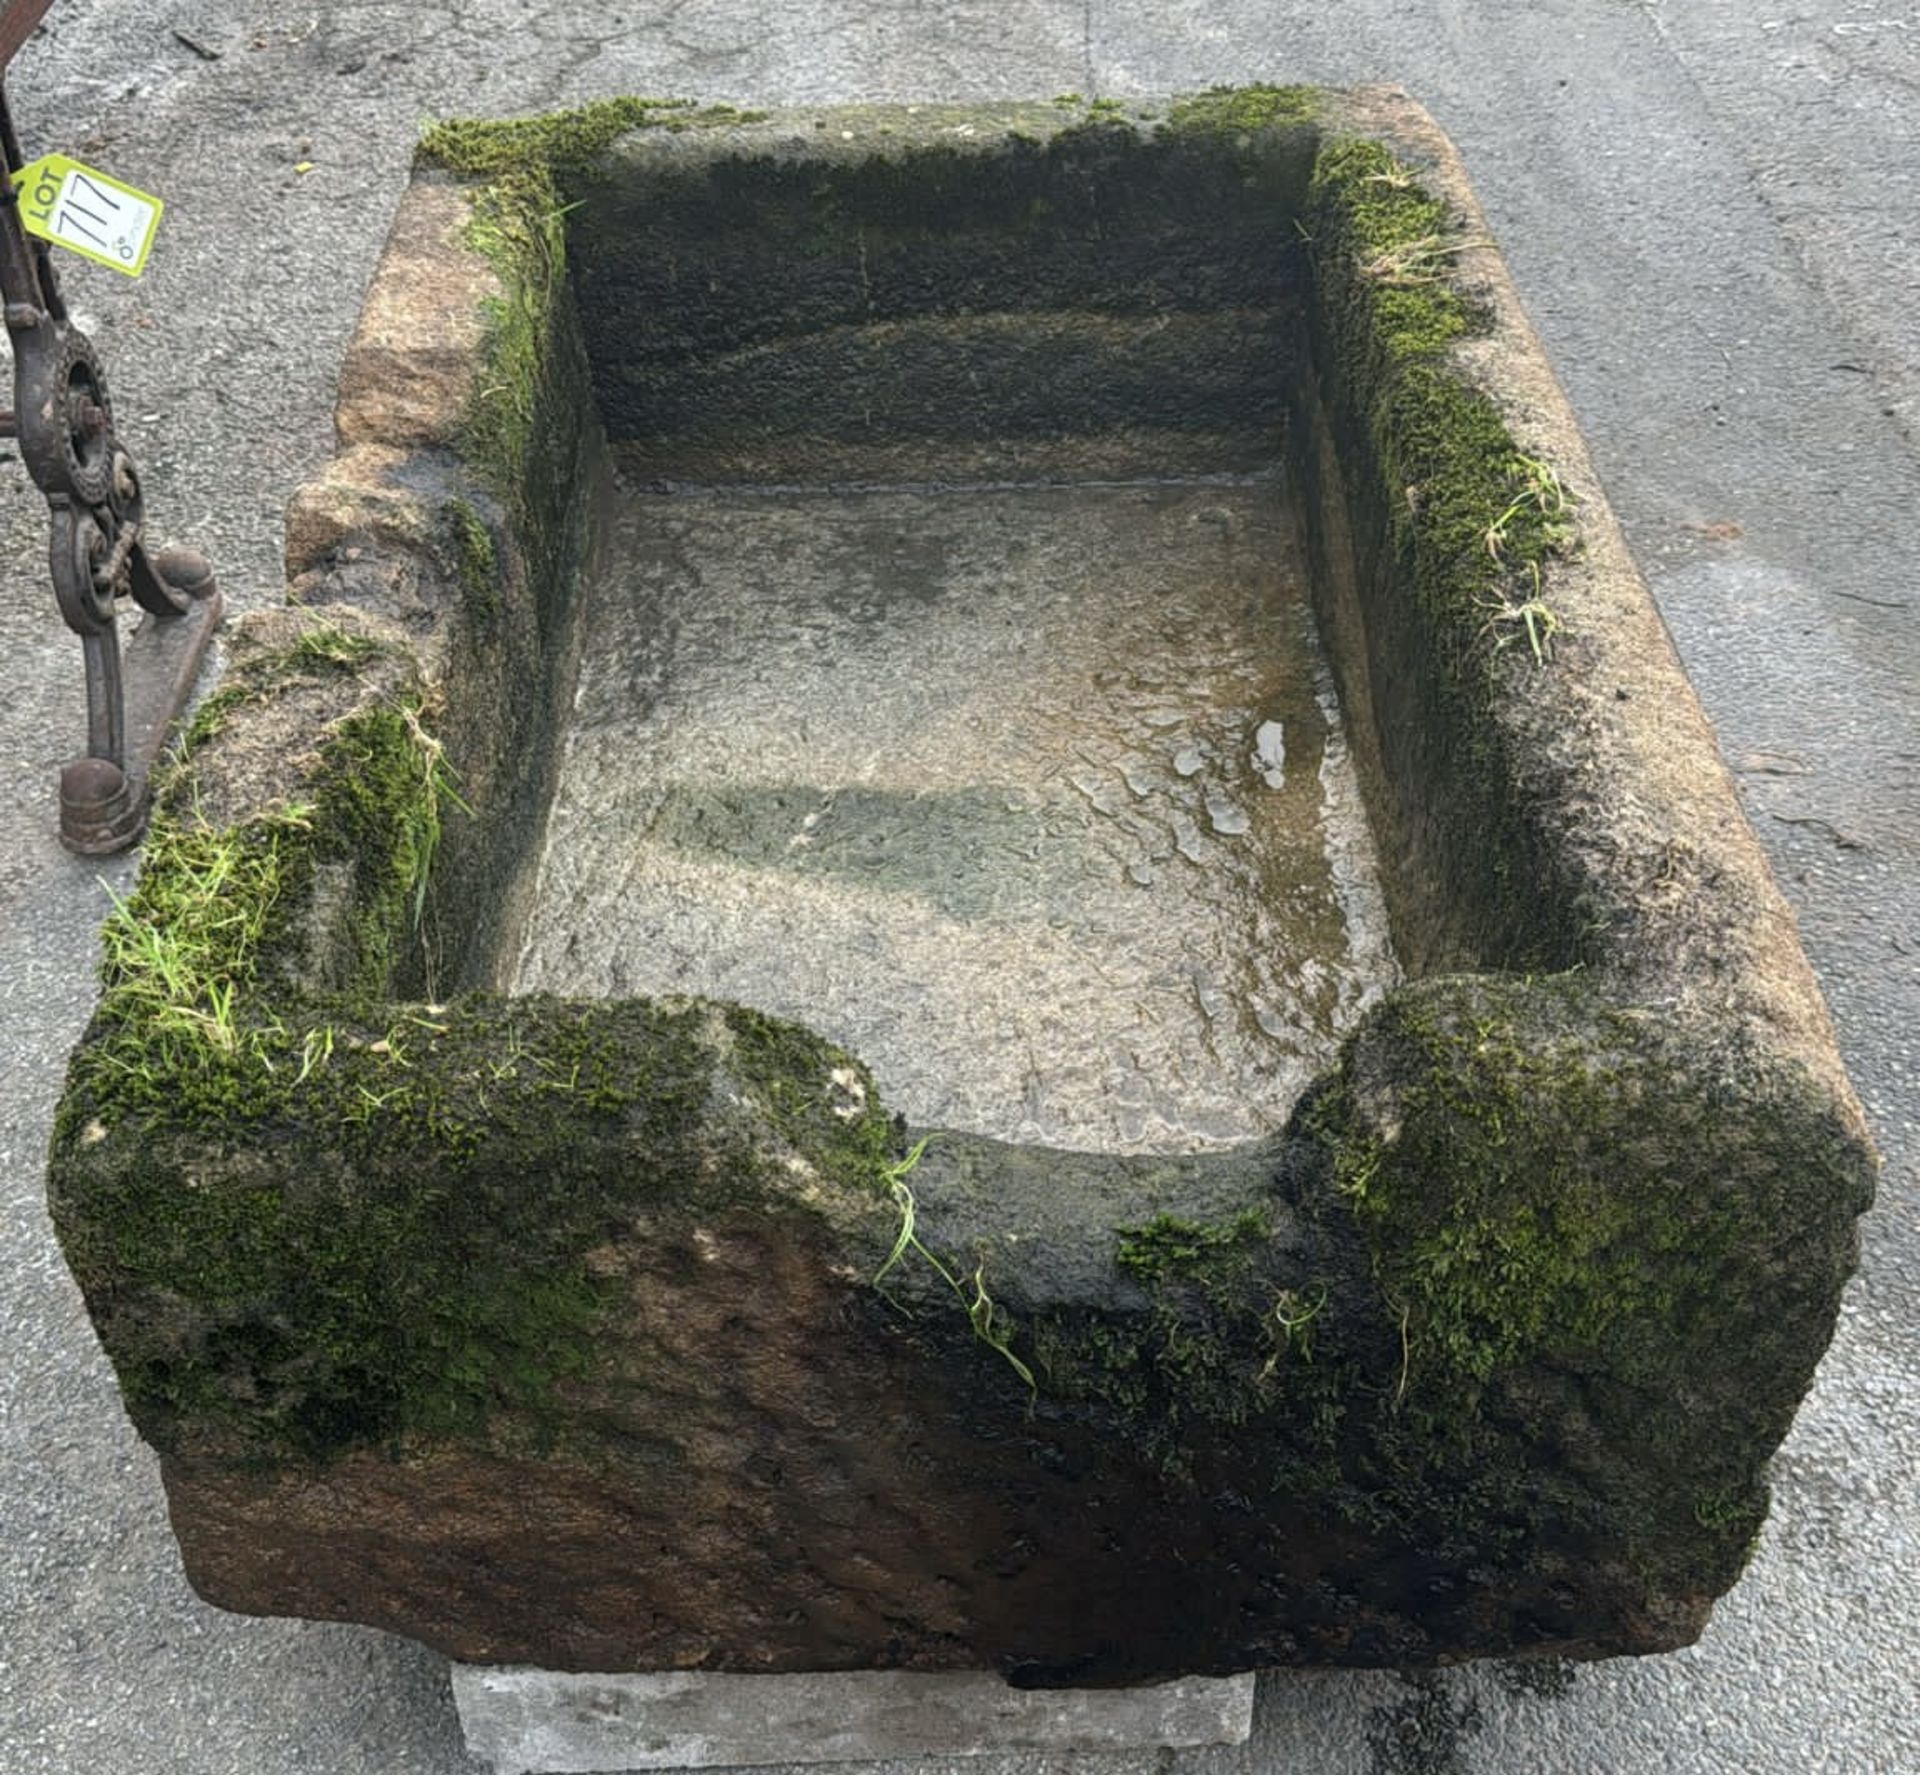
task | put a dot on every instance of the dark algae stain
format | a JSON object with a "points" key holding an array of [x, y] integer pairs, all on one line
{"points": [[1428, 1732], [1541, 1679]]}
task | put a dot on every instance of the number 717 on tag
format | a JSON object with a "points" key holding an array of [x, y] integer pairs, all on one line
{"points": [[93, 215]]}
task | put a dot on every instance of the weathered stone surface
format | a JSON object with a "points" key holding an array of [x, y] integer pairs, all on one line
{"points": [[635, 1334], [528, 1721], [405, 379]]}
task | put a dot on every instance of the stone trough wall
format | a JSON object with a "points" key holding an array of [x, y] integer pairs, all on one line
{"points": [[636, 1334]]}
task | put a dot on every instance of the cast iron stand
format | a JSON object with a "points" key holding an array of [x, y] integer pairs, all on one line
{"points": [[64, 424]]}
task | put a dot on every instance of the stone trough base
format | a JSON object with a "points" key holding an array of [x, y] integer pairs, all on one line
{"points": [[545, 1722]]}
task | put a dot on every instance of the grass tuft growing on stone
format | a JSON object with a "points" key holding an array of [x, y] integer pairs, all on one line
{"points": [[991, 1326], [180, 952], [195, 956]]}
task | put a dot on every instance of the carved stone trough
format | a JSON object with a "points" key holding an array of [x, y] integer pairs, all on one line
{"points": [[493, 1251]]}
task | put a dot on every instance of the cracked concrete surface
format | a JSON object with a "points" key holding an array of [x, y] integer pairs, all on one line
{"points": [[1710, 209]]}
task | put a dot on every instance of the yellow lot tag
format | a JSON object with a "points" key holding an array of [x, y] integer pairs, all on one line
{"points": [[97, 217]]}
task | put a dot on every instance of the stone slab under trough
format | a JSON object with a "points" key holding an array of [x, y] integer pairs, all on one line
{"points": [[759, 1034], [538, 1722]]}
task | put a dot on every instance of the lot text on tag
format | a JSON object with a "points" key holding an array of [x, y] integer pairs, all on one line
{"points": [[93, 215]]}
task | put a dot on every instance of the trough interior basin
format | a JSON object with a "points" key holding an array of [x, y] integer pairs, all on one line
{"points": [[1032, 795], [947, 676]]}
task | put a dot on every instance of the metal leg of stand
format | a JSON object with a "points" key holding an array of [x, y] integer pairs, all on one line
{"points": [[63, 420]]}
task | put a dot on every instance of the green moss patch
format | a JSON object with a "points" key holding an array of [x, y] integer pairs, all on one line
{"points": [[1170, 1245], [1542, 1179], [312, 1216], [475, 561], [417, 1257], [1459, 528], [1209, 1340], [511, 149], [517, 226], [1477, 518], [1242, 110], [1610, 1234]]}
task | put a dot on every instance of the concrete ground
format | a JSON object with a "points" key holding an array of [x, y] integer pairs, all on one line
{"points": [[1711, 208]]}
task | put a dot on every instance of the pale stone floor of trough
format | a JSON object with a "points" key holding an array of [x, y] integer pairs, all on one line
{"points": [[1034, 797]]}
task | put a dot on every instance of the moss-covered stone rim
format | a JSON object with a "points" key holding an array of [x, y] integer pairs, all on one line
{"points": [[373, 1271]]}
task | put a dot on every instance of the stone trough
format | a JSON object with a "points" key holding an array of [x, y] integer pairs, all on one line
{"points": [[967, 919]]}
